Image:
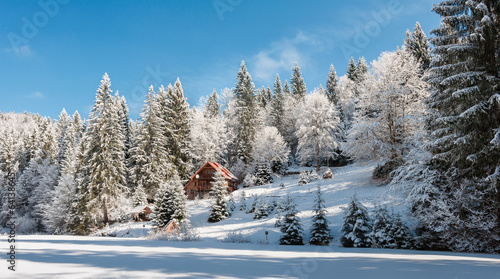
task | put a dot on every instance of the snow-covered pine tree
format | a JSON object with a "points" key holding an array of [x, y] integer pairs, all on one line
{"points": [[303, 178], [245, 116], [177, 130], [381, 231], [218, 192], [103, 182], [263, 174], [417, 44], [317, 127], [243, 201], [320, 232], [351, 70], [331, 86], [464, 75], [212, 107], [261, 210], [297, 83], [171, 203], [400, 234], [35, 186], [361, 70], [139, 196], [270, 148], [57, 214], [357, 225], [62, 126], [291, 227], [277, 106], [231, 205], [150, 156]]}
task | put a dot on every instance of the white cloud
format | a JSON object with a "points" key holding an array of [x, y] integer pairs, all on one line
{"points": [[281, 55], [35, 95]]}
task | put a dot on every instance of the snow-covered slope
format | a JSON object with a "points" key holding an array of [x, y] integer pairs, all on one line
{"points": [[337, 192]]}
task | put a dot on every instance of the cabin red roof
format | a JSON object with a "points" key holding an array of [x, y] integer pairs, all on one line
{"points": [[225, 172]]}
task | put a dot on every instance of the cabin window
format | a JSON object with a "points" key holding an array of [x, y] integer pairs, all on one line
{"points": [[195, 183]]}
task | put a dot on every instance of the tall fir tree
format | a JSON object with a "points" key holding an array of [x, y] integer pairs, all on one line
{"points": [[219, 209], [104, 171], [171, 203], [277, 106], [297, 83], [245, 115], [177, 120], [320, 232], [357, 226], [291, 227], [151, 162], [351, 70], [416, 42], [212, 108], [331, 86], [464, 75]]}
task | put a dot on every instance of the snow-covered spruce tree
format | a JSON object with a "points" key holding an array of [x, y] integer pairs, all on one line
{"points": [[171, 203], [291, 227], [57, 215], [231, 204], [297, 83], [320, 232], [261, 210], [149, 152], [303, 178], [270, 148], [391, 109], [361, 70], [35, 186], [351, 70], [464, 75], [139, 196], [212, 107], [103, 180], [400, 235], [277, 106], [263, 97], [317, 124], [62, 126], [417, 44], [381, 231], [245, 116], [357, 225], [219, 191], [331, 86], [263, 174], [243, 201], [177, 131]]}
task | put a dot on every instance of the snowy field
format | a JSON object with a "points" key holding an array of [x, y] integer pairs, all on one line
{"points": [[132, 255], [97, 257]]}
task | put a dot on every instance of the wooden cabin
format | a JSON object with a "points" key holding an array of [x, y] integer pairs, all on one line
{"points": [[142, 212], [201, 181], [171, 227]]}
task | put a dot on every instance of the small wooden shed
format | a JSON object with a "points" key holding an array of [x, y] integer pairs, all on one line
{"points": [[171, 227], [142, 212]]}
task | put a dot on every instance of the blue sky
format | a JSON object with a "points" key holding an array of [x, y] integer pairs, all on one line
{"points": [[53, 53]]}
